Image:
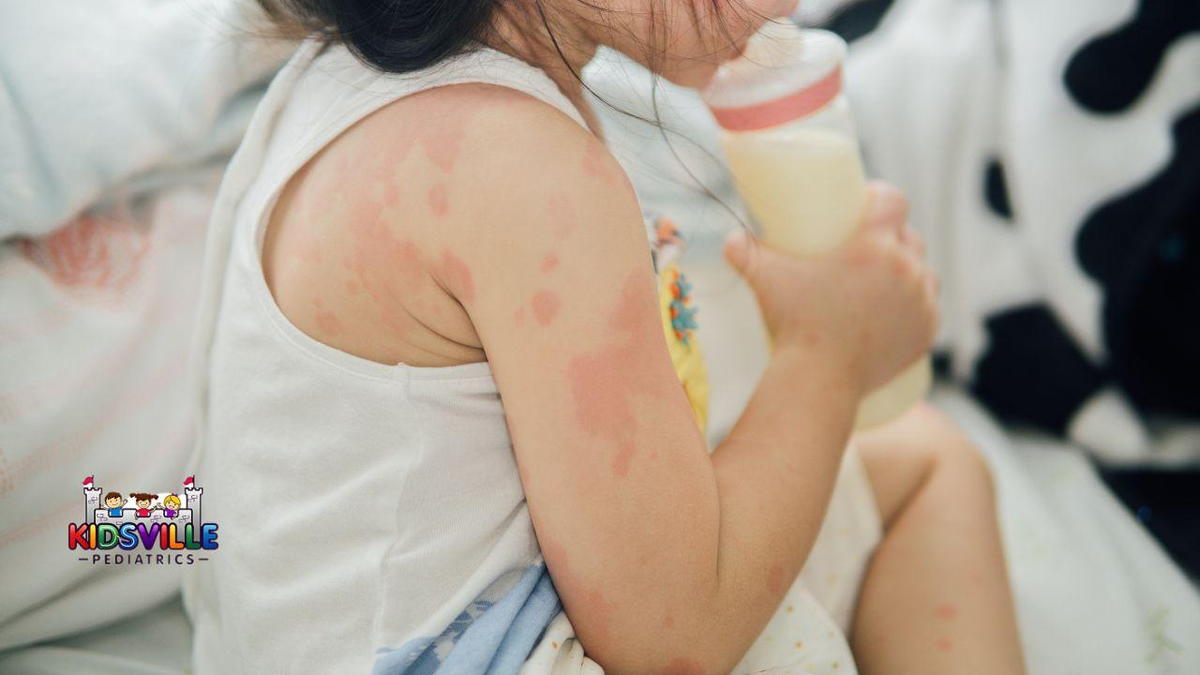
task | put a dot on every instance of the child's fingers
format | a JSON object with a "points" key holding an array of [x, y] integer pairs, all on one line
{"points": [[913, 239], [887, 207]]}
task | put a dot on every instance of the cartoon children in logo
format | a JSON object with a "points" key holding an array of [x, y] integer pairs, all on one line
{"points": [[143, 500], [170, 505], [114, 501]]}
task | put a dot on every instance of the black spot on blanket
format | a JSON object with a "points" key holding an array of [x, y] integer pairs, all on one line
{"points": [[941, 362], [1109, 73], [995, 189], [1167, 504], [1143, 248], [1031, 371]]}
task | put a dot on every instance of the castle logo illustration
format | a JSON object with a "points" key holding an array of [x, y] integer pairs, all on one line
{"points": [[166, 525]]}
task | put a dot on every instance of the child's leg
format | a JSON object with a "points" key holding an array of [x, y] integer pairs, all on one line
{"points": [[936, 596]]}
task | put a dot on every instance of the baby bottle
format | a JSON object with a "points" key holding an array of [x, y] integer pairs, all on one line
{"points": [[789, 138]]}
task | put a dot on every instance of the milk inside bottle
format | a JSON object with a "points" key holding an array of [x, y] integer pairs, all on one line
{"points": [[789, 138]]}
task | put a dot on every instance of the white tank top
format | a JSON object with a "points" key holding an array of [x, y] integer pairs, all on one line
{"points": [[371, 516]]}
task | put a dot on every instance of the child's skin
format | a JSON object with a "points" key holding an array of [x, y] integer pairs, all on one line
{"points": [[473, 222], [958, 600]]}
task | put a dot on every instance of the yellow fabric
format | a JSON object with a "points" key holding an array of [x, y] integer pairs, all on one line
{"points": [[688, 358]]}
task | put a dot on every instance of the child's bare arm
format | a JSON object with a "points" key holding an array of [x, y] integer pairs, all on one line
{"points": [[664, 558], [775, 474]]}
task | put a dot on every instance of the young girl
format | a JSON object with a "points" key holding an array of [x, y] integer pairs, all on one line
{"points": [[432, 338]]}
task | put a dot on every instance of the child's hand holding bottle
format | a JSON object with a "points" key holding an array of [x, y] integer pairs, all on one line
{"points": [[788, 133], [870, 304]]}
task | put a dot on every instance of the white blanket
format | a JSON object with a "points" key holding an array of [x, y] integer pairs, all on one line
{"points": [[116, 120], [95, 95], [1095, 592]]}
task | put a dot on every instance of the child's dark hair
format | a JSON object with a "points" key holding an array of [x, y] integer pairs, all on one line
{"points": [[399, 36], [390, 35], [111, 495]]}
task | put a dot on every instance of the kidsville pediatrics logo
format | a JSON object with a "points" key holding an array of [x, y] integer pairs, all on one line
{"points": [[142, 528]]}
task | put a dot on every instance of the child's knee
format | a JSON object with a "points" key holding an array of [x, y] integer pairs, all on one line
{"points": [[968, 473], [920, 447], [963, 472], [950, 449]]}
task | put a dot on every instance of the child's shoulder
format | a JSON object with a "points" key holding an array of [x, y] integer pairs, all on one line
{"points": [[440, 202], [467, 156], [481, 141], [470, 120]]}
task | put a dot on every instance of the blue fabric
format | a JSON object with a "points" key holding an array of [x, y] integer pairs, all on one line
{"points": [[487, 637]]}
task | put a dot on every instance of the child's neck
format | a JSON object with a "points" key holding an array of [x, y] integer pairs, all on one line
{"points": [[577, 48]]}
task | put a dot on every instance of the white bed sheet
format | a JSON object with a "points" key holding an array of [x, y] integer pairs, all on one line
{"points": [[1095, 592]]}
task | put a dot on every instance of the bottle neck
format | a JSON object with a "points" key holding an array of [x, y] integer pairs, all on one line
{"points": [[783, 109]]}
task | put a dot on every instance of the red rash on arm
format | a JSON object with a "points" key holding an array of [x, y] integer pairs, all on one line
{"points": [[377, 254], [620, 463], [946, 611], [596, 608], [603, 394], [549, 262], [388, 193], [682, 666], [437, 200], [328, 322], [376, 247], [441, 139], [457, 276], [545, 306]]}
